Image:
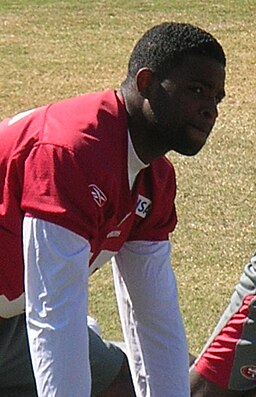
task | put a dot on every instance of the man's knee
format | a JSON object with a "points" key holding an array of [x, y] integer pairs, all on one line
{"points": [[122, 384]]}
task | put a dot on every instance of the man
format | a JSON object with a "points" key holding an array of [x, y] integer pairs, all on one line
{"points": [[227, 365], [84, 180]]}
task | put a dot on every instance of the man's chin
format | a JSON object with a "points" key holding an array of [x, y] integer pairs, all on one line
{"points": [[188, 151]]}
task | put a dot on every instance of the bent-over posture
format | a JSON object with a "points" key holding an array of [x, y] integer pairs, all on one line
{"points": [[84, 180]]}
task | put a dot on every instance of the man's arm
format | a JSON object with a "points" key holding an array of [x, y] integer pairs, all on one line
{"points": [[226, 367], [56, 279], [201, 387], [151, 321]]}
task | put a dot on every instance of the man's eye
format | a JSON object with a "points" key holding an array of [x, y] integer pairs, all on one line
{"points": [[197, 90]]}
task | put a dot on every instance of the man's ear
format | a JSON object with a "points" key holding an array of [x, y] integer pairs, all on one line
{"points": [[145, 80]]}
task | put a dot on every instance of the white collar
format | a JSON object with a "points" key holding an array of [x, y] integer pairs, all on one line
{"points": [[135, 164]]}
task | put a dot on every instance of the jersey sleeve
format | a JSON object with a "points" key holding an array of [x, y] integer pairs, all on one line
{"points": [[229, 357], [56, 189]]}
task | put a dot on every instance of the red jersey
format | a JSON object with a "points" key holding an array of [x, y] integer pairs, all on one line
{"points": [[66, 163]]}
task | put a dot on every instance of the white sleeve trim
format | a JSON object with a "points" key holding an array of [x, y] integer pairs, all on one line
{"points": [[56, 289], [151, 321], [11, 308]]}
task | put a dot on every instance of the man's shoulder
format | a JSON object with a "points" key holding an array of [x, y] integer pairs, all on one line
{"points": [[93, 117], [87, 104]]}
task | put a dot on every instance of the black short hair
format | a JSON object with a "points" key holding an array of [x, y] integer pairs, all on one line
{"points": [[163, 47]]}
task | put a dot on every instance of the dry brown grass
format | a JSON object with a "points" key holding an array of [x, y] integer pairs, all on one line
{"points": [[50, 50]]}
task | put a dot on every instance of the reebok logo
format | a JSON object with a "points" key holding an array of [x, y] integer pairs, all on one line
{"points": [[143, 206], [97, 194]]}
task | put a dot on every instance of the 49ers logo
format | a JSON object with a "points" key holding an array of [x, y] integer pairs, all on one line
{"points": [[249, 372]]}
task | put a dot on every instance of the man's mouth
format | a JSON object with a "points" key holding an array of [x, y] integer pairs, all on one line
{"points": [[204, 131]]}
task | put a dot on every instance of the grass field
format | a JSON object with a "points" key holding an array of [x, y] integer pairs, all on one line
{"points": [[55, 49]]}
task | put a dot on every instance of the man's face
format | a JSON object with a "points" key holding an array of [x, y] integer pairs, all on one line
{"points": [[181, 110]]}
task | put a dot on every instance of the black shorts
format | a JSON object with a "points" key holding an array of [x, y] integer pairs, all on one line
{"points": [[16, 374]]}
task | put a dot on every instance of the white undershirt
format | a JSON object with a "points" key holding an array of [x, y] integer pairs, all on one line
{"points": [[135, 164], [56, 306], [56, 285]]}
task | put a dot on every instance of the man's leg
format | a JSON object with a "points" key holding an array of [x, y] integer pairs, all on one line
{"points": [[109, 366], [110, 370], [16, 375]]}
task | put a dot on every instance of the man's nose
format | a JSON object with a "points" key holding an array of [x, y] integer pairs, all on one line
{"points": [[209, 109]]}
